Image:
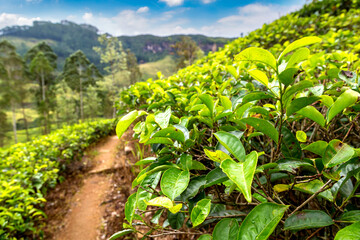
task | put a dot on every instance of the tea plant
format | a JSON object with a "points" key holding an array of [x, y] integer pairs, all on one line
{"points": [[29, 169], [260, 147]]}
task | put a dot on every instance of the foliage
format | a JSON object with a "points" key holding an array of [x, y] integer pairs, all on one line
{"points": [[187, 52], [28, 170], [13, 79], [79, 74], [276, 129], [42, 65]]}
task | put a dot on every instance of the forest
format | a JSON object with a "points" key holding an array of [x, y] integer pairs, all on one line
{"points": [[258, 140]]}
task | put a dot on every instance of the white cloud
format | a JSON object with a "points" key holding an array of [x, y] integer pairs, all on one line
{"points": [[9, 19], [134, 22], [130, 22], [173, 3], [142, 10], [34, 1], [207, 1], [249, 18], [87, 16]]}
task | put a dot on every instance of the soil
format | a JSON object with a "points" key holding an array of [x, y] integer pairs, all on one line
{"points": [[89, 204]]}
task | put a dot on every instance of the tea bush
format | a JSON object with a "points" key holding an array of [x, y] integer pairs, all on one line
{"points": [[253, 143], [29, 169]]}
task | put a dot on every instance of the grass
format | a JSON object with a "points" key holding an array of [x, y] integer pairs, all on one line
{"points": [[167, 66]]}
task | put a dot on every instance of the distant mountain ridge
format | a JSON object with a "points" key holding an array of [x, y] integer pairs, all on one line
{"points": [[66, 37]]}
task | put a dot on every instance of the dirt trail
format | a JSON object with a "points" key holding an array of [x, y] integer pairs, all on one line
{"points": [[84, 217]]}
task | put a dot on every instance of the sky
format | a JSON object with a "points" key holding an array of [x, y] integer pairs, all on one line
{"points": [[217, 18]]}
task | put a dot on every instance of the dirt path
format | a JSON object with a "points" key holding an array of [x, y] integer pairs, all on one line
{"points": [[85, 215]]}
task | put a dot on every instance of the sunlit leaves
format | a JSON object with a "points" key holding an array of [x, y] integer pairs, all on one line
{"points": [[242, 173], [257, 55], [348, 98], [298, 44], [174, 181], [200, 212], [349, 233], [126, 121]]}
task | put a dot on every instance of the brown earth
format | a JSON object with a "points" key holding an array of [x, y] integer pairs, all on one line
{"points": [[89, 204]]}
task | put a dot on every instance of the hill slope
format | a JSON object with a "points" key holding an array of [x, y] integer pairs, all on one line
{"points": [[66, 37]]}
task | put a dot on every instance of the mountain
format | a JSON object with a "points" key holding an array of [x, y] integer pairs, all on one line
{"points": [[66, 37]]}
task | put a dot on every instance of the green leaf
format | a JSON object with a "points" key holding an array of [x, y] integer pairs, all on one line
{"points": [[313, 114], [290, 165], [209, 102], [200, 212], [120, 234], [193, 188], [317, 147], [159, 140], [257, 55], [130, 206], [144, 192], [261, 221], [260, 76], [298, 44], [232, 144], [300, 103], [242, 174], [163, 118], [226, 229], [164, 202], [287, 76], [346, 99], [217, 156], [232, 70], [176, 220], [349, 233], [337, 152], [205, 237], [215, 176], [299, 56], [308, 219], [155, 219], [312, 187], [263, 126], [172, 133], [350, 216], [174, 182], [290, 146], [290, 92], [301, 136], [257, 95], [126, 121]]}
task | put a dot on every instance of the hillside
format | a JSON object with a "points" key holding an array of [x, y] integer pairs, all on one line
{"points": [[259, 140], [66, 37]]}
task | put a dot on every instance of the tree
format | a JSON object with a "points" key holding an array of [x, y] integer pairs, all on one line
{"points": [[40, 66], [112, 53], [187, 50], [78, 73], [42, 63], [13, 81], [133, 67]]}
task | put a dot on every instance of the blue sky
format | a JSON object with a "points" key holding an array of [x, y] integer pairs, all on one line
{"points": [[227, 18]]}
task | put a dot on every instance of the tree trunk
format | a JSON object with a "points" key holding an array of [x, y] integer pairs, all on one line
{"points": [[25, 121], [81, 95], [44, 102], [81, 102], [14, 120]]}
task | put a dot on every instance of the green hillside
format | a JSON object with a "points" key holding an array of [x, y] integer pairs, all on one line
{"points": [[258, 140], [67, 37]]}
